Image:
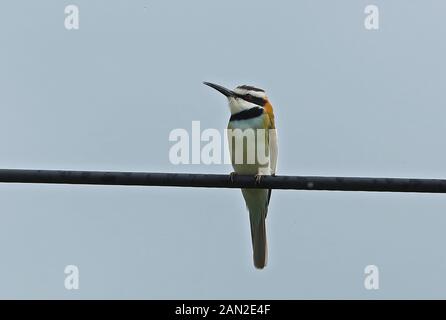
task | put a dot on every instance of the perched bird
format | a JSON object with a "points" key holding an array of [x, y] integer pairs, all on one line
{"points": [[251, 109]]}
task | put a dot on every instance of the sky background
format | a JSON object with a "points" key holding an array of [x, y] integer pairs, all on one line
{"points": [[348, 102]]}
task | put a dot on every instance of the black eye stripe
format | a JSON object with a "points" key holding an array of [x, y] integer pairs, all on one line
{"points": [[256, 100]]}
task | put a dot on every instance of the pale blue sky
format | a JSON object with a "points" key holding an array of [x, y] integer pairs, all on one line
{"points": [[348, 102]]}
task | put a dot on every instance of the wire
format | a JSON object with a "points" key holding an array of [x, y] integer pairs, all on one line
{"points": [[222, 181]]}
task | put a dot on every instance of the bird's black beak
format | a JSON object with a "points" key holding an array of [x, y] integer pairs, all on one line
{"points": [[223, 90]]}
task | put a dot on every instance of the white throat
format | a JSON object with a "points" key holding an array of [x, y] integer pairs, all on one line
{"points": [[237, 105]]}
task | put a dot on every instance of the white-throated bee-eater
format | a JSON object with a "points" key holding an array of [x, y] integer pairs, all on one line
{"points": [[251, 109]]}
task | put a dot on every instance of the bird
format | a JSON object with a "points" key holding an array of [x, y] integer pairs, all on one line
{"points": [[251, 109]]}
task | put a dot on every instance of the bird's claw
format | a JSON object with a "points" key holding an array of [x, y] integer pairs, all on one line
{"points": [[232, 175], [258, 178]]}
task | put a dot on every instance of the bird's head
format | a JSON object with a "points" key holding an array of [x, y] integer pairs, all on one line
{"points": [[242, 98]]}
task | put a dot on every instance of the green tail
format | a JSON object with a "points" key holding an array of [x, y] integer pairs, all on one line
{"points": [[257, 203]]}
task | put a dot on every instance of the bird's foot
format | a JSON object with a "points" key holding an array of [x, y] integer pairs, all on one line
{"points": [[232, 175], [259, 178]]}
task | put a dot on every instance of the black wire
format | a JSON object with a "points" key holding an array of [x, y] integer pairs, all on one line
{"points": [[222, 181]]}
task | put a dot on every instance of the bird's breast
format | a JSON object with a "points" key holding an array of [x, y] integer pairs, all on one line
{"points": [[246, 144]]}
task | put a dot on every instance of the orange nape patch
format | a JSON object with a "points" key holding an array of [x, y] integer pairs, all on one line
{"points": [[269, 110]]}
